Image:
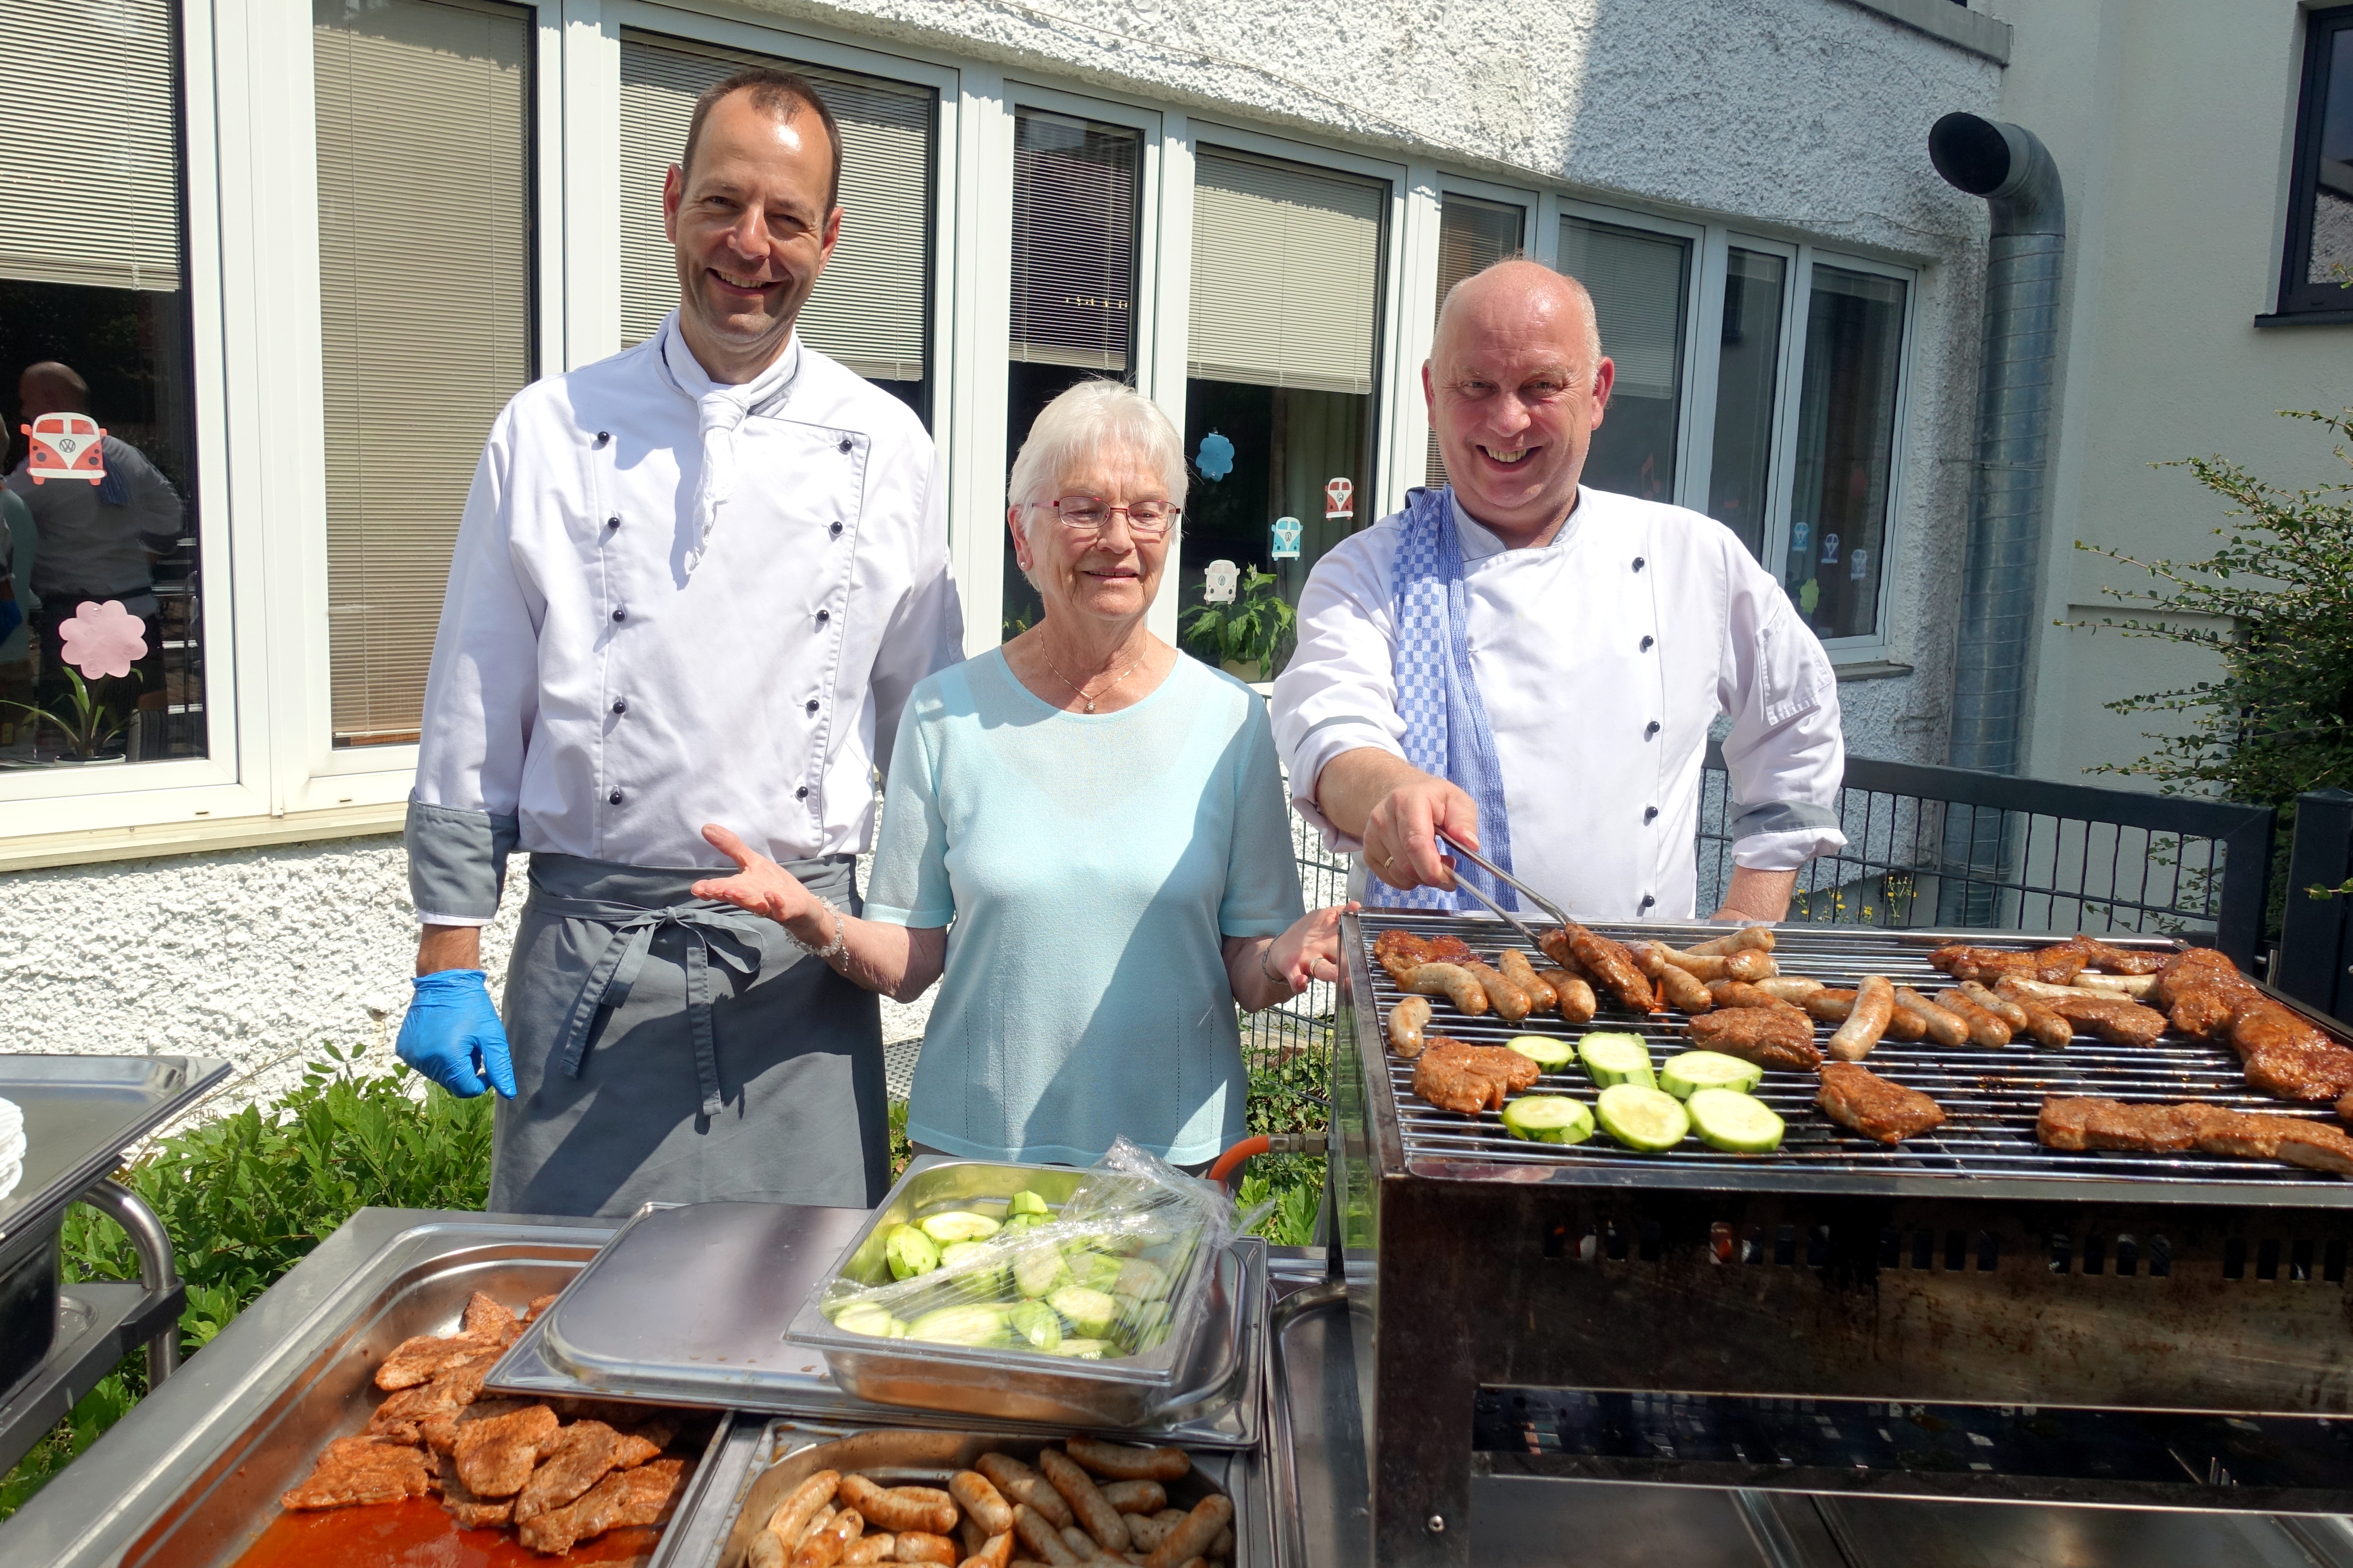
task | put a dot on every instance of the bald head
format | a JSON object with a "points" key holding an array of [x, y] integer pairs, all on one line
{"points": [[1516, 383], [50, 387]]}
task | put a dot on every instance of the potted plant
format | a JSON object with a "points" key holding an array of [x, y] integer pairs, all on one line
{"points": [[1243, 638], [87, 725]]}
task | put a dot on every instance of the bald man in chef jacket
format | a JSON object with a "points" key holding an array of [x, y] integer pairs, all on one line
{"points": [[1532, 666], [694, 583]]}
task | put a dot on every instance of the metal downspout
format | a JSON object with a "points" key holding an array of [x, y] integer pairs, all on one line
{"points": [[2011, 169]]}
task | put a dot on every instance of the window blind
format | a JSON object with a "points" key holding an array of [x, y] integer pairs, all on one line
{"points": [[1473, 236], [1637, 283], [1286, 275], [871, 309], [89, 145], [424, 285], [1075, 221]]}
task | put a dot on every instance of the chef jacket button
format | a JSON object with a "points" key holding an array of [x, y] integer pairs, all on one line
{"points": [[1637, 564], [812, 704], [620, 705], [801, 793], [845, 443], [621, 611], [614, 798], [1650, 814], [1648, 900], [1651, 729], [835, 529], [603, 437], [824, 615], [1647, 642], [613, 522]]}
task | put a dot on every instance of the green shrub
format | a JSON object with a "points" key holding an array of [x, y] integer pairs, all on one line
{"points": [[1288, 1096], [246, 1197]]}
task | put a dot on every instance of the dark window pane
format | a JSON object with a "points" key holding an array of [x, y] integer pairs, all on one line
{"points": [[1846, 448], [2317, 273], [1747, 369], [1075, 218], [1637, 280], [1473, 236]]}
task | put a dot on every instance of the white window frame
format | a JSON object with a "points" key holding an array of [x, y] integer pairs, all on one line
{"points": [[1427, 187]]}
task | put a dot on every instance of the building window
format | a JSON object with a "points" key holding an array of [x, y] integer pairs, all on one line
{"points": [[1639, 282], [1747, 367], [871, 308], [1077, 211], [1846, 450], [1473, 236], [100, 503], [426, 314], [2318, 262], [1283, 351]]}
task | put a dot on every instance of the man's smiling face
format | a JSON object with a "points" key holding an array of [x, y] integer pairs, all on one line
{"points": [[1516, 388], [752, 232]]}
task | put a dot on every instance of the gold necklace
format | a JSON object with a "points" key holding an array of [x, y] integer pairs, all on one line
{"points": [[1081, 690]]}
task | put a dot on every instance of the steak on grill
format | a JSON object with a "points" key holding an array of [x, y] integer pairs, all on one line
{"points": [[1854, 1096], [1452, 1076], [1776, 1036], [2075, 1124]]}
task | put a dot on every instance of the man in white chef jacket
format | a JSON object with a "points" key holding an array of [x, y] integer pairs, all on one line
{"points": [[1533, 665], [694, 583]]}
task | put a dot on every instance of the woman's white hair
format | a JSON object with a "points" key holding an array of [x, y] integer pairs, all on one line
{"points": [[1081, 427]]}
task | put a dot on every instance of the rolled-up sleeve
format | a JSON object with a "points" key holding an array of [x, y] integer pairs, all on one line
{"points": [[1786, 755], [1339, 691], [482, 699]]}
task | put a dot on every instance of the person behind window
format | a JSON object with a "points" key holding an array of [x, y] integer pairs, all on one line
{"points": [[19, 547], [97, 541], [1085, 831]]}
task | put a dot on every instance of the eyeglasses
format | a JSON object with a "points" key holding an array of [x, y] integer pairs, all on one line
{"points": [[1146, 520]]}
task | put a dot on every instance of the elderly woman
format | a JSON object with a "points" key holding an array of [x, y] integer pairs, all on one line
{"points": [[1084, 838]]}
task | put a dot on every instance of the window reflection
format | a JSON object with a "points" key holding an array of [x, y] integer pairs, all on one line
{"points": [[1638, 283], [1473, 236], [1747, 368], [1846, 446]]}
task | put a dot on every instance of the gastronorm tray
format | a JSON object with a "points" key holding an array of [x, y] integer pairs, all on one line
{"points": [[789, 1452], [1021, 1385], [686, 1306]]}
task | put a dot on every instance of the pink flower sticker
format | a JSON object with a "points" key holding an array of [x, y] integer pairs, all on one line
{"points": [[103, 640]]}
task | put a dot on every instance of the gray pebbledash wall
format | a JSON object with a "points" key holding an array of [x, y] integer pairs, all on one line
{"points": [[1805, 120]]}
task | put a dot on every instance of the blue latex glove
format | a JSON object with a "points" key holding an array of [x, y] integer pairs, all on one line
{"points": [[452, 1034]]}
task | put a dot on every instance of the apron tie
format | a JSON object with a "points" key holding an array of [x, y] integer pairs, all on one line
{"points": [[712, 930]]}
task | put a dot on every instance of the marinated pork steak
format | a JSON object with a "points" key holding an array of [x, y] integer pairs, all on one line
{"points": [[1853, 1096]]}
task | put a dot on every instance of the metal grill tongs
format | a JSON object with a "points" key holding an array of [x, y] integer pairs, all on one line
{"points": [[1546, 905]]}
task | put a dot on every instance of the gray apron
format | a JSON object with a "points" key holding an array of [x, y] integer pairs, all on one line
{"points": [[673, 1048]]}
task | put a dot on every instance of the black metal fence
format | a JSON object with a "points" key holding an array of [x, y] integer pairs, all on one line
{"points": [[2315, 949]]}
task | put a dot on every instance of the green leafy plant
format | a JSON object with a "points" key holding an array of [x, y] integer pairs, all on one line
{"points": [[1254, 630], [2274, 606], [247, 1197], [88, 725], [1288, 1096]]}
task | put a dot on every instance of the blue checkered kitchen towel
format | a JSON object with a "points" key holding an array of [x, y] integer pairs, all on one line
{"points": [[1446, 732]]}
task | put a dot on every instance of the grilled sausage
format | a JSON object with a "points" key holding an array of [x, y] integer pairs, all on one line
{"points": [[924, 1546], [1741, 993], [1094, 1510], [825, 1548], [2001, 1007], [1945, 1028], [1042, 1537], [1522, 973], [996, 1552], [1136, 1497], [1683, 989], [792, 1515], [2048, 1028], [873, 1548], [1124, 1462], [1510, 1003], [983, 1502], [1023, 1486], [2133, 986], [1452, 980], [1408, 1019], [1867, 1019], [1747, 936], [1987, 1029], [901, 1508], [1788, 987], [1192, 1537], [1576, 999]]}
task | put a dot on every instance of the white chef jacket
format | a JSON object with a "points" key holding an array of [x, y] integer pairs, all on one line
{"points": [[1602, 659], [592, 696]]}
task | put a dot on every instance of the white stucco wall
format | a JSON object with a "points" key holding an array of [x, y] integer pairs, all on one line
{"points": [[1801, 118]]}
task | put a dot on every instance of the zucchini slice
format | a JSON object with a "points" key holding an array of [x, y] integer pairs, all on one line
{"points": [[1548, 1053], [1734, 1123], [1617, 1059], [1548, 1119], [1684, 1075], [1642, 1117]]}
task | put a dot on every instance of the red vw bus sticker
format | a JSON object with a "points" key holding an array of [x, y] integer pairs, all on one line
{"points": [[66, 446]]}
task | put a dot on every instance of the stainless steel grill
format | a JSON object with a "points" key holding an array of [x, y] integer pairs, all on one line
{"points": [[1990, 1097]]}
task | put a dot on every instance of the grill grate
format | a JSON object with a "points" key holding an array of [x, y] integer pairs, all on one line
{"points": [[1990, 1098]]}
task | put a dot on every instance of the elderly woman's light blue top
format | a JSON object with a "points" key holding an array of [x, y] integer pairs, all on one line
{"points": [[1086, 867]]}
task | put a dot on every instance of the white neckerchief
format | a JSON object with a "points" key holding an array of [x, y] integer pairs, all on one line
{"points": [[720, 411]]}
